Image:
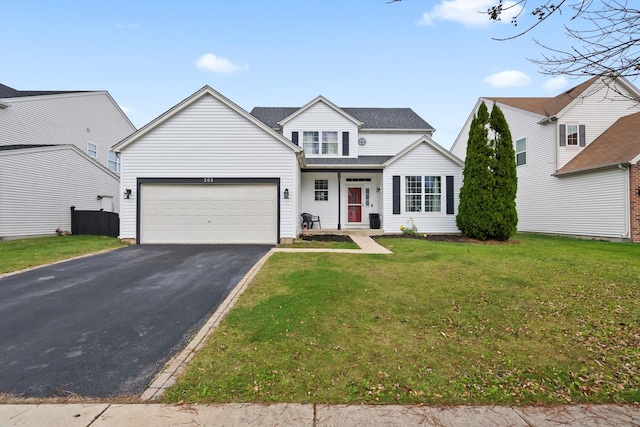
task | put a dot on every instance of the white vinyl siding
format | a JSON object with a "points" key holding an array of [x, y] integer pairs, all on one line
{"points": [[589, 204], [423, 161], [598, 110], [327, 210], [74, 118], [385, 143], [37, 192], [322, 118], [209, 139]]}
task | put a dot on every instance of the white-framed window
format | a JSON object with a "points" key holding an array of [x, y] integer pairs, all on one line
{"points": [[113, 161], [572, 135], [311, 142], [330, 143], [521, 151], [92, 149], [432, 194], [320, 143], [321, 190], [423, 193], [413, 193]]}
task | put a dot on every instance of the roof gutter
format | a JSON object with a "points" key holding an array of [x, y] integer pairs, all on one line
{"points": [[619, 165], [548, 119]]}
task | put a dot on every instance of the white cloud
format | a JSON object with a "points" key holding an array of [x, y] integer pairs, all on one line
{"points": [[216, 64], [556, 84], [470, 13], [508, 78], [126, 110]]}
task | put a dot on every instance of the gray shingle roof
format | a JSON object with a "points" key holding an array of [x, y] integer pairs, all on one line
{"points": [[9, 92], [371, 118], [23, 146], [362, 160]]}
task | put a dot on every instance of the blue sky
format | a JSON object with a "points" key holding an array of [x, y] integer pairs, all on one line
{"points": [[436, 57]]}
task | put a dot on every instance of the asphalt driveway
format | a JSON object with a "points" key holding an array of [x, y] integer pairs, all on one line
{"points": [[105, 325]]}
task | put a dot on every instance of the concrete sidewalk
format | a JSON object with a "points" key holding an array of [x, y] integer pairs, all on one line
{"points": [[310, 415]]}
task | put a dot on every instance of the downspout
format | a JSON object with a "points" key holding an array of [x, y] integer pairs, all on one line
{"points": [[627, 201], [339, 199]]}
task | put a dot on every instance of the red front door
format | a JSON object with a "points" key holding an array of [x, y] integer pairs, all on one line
{"points": [[354, 204]]}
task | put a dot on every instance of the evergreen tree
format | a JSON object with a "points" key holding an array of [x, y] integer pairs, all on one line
{"points": [[476, 216], [506, 179]]}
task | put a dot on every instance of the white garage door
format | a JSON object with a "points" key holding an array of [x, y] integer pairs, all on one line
{"points": [[220, 213]]}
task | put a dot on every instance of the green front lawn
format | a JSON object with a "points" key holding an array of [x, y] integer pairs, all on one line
{"points": [[24, 253], [548, 320]]}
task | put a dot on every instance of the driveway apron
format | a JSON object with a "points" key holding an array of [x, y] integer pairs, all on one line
{"points": [[105, 325]]}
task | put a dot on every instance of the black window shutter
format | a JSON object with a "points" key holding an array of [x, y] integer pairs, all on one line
{"points": [[396, 195], [345, 143], [581, 136], [563, 135], [449, 195], [294, 138]]}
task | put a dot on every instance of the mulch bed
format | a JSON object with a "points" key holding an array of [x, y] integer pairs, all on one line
{"points": [[454, 238], [326, 238]]}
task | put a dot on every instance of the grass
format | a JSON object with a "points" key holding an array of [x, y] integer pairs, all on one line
{"points": [[547, 321], [24, 253]]}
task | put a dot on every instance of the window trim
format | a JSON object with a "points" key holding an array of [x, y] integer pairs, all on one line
{"points": [[93, 150], [321, 194], [515, 149], [110, 161], [320, 145], [424, 197]]}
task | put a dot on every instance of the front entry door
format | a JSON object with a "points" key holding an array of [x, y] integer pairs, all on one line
{"points": [[354, 204]]}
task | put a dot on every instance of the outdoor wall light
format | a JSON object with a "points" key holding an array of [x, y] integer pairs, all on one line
{"points": [[377, 189], [286, 193], [127, 193]]}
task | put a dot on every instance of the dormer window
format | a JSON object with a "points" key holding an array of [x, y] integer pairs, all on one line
{"points": [[320, 142]]}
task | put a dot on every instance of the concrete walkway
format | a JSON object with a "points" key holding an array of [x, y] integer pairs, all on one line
{"points": [[366, 243], [310, 415]]}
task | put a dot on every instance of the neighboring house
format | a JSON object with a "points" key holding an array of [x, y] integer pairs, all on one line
{"points": [[55, 152], [577, 157], [208, 171]]}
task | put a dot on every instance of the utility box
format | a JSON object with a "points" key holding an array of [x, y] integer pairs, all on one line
{"points": [[374, 221]]}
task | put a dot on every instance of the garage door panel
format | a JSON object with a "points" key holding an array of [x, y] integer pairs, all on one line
{"points": [[227, 213]]}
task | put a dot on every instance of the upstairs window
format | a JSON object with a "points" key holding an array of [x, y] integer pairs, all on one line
{"points": [[113, 162], [330, 143], [521, 151], [311, 142], [92, 149], [320, 142], [572, 135]]}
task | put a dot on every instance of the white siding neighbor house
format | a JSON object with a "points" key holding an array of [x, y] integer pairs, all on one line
{"points": [[208, 171], [55, 152], [577, 157]]}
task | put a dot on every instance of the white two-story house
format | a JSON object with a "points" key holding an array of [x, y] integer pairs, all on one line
{"points": [[208, 171], [55, 152], [577, 157]]}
